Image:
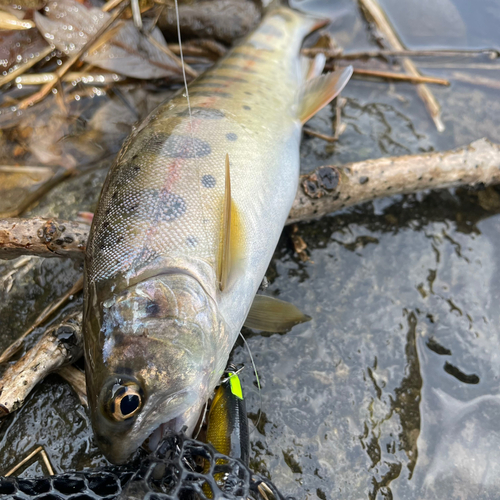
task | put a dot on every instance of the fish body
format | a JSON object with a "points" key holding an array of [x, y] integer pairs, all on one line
{"points": [[158, 324]]}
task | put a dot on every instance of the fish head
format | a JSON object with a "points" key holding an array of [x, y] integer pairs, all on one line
{"points": [[153, 364]]}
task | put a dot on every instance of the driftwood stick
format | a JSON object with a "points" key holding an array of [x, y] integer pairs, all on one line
{"points": [[322, 191], [48, 311], [62, 344], [377, 14], [43, 237], [75, 378], [331, 188]]}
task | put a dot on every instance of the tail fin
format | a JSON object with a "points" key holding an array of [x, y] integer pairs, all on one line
{"points": [[307, 23]]}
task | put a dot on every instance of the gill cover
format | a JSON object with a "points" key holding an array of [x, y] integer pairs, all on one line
{"points": [[152, 363]]}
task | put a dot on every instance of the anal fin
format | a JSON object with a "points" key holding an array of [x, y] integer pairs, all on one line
{"points": [[274, 315], [316, 93], [224, 259]]}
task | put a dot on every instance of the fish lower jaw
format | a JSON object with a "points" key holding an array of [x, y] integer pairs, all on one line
{"points": [[186, 421], [156, 436]]}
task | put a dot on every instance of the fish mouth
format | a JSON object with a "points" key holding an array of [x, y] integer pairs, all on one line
{"points": [[154, 439], [184, 422]]}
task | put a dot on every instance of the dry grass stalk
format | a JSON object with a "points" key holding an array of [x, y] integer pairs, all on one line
{"points": [[402, 77], [64, 68], [376, 13]]}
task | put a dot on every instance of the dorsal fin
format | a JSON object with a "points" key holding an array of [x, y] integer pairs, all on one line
{"points": [[316, 93], [225, 241]]}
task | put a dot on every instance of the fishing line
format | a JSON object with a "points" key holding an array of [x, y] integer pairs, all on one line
{"points": [[256, 376], [183, 69]]}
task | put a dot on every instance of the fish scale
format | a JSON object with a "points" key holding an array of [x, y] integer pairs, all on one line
{"points": [[160, 223]]}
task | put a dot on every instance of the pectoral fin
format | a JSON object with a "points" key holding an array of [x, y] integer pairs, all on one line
{"points": [[316, 93], [274, 315], [224, 260]]}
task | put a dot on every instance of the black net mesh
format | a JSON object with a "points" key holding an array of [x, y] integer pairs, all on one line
{"points": [[179, 469]]}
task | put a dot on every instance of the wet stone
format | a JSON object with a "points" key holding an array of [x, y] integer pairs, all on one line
{"points": [[208, 181]]}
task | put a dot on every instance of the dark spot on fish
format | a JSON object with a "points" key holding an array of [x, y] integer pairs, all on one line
{"points": [[208, 93], [231, 136], [106, 238], [152, 308], [191, 241], [59, 242], [269, 29], [460, 375], [243, 55], [178, 146], [208, 181], [236, 67], [248, 93], [363, 180], [225, 78], [203, 113], [171, 207], [247, 107], [132, 207], [136, 168], [68, 239]]}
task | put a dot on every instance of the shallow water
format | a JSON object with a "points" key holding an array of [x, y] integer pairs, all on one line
{"points": [[391, 391]]}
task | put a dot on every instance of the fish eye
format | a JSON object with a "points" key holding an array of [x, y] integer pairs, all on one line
{"points": [[123, 399]]}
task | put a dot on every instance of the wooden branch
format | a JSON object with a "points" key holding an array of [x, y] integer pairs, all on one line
{"points": [[76, 379], [322, 191], [46, 313], [61, 345], [377, 14], [369, 54], [331, 188], [43, 237]]}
